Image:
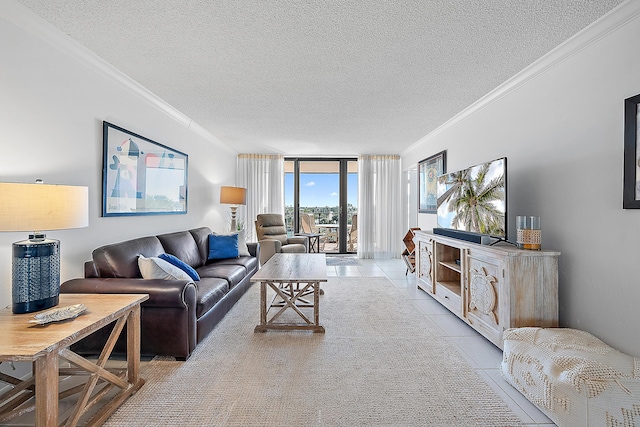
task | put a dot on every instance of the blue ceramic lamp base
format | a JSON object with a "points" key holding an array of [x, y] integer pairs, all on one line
{"points": [[35, 274]]}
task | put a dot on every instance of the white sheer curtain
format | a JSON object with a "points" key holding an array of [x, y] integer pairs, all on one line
{"points": [[380, 218], [263, 177]]}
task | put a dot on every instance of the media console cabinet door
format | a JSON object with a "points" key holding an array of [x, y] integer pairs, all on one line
{"points": [[486, 295], [424, 263]]}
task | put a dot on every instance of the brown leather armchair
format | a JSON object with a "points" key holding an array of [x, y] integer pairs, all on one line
{"points": [[272, 236]]}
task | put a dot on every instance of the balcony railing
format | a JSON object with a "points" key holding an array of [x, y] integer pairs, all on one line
{"points": [[323, 221]]}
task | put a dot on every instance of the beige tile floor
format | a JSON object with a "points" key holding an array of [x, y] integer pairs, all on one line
{"points": [[481, 354]]}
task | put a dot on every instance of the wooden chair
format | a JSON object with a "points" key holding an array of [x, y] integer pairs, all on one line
{"points": [[308, 225]]}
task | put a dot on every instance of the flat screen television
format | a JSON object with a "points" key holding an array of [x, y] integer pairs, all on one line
{"points": [[474, 199]]}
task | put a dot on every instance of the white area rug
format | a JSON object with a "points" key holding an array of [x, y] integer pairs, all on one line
{"points": [[378, 364]]}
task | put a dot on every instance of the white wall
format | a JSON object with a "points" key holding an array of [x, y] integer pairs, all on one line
{"points": [[54, 97], [412, 204], [560, 123]]}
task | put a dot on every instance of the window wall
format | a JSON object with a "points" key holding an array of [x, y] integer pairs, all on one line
{"points": [[321, 198]]}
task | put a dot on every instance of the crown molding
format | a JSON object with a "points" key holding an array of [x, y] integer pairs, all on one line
{"points": [[599, 29], [26, 19]]}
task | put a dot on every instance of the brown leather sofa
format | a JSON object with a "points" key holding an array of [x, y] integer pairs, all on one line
{"points": [[179, 313]]}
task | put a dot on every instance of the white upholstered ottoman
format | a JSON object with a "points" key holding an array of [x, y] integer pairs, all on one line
{"points": [[573, 377]]}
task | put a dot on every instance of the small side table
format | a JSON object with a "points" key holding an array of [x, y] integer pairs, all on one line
{"points": [[314, 241]]}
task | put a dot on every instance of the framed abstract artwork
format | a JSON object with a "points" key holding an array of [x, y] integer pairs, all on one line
{"points": [[428, 171], [631, 184], [141, 176]]}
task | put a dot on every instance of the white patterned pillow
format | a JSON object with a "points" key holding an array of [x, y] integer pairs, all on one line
{"points": [[243, 250], [156, 268]]}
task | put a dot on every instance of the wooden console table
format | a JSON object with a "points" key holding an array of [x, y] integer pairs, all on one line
{"points": [[293, 277], [45, 345], [491, 288]]}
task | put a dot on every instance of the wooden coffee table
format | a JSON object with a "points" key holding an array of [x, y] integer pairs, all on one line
{"points": [[45, 345], [294, 278]]}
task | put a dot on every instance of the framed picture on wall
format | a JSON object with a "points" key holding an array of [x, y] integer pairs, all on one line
{"points": [[631, 185], [141, 176], [428, 171]]}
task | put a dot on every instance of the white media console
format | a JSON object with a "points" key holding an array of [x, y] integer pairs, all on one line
{"points": [[492, 288]]}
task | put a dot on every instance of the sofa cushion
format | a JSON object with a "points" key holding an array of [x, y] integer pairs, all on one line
{"points": [[156, 268], [231, 273], [295, 248], [183, 246], [121, 259], [210, 291], [201, 237], [282, 238], [181, 265], [250, 263], [223, 246]]}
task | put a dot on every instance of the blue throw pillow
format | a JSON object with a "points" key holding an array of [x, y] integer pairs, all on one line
{"points": [[181, 265], [223, 246]]}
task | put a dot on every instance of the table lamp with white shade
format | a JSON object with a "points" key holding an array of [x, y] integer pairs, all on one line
{"points": [[233, 196], [36, 261]]}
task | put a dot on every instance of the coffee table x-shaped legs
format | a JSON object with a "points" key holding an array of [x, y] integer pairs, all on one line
{"points": [[290, 295]]}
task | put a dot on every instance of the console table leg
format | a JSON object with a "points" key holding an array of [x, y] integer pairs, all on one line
{"points": [[316, 303], [46, 375], [263, 308], [133, 345]]}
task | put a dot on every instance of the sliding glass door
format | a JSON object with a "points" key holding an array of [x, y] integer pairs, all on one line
{"points": [[321, 200]]}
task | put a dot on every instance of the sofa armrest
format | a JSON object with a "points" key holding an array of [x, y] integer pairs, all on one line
{"points": [[162, 293], [90, 269], [301, 240], [254, 249]]}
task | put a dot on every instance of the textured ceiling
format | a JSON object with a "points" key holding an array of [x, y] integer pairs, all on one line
{"points": [[320, 77]]}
